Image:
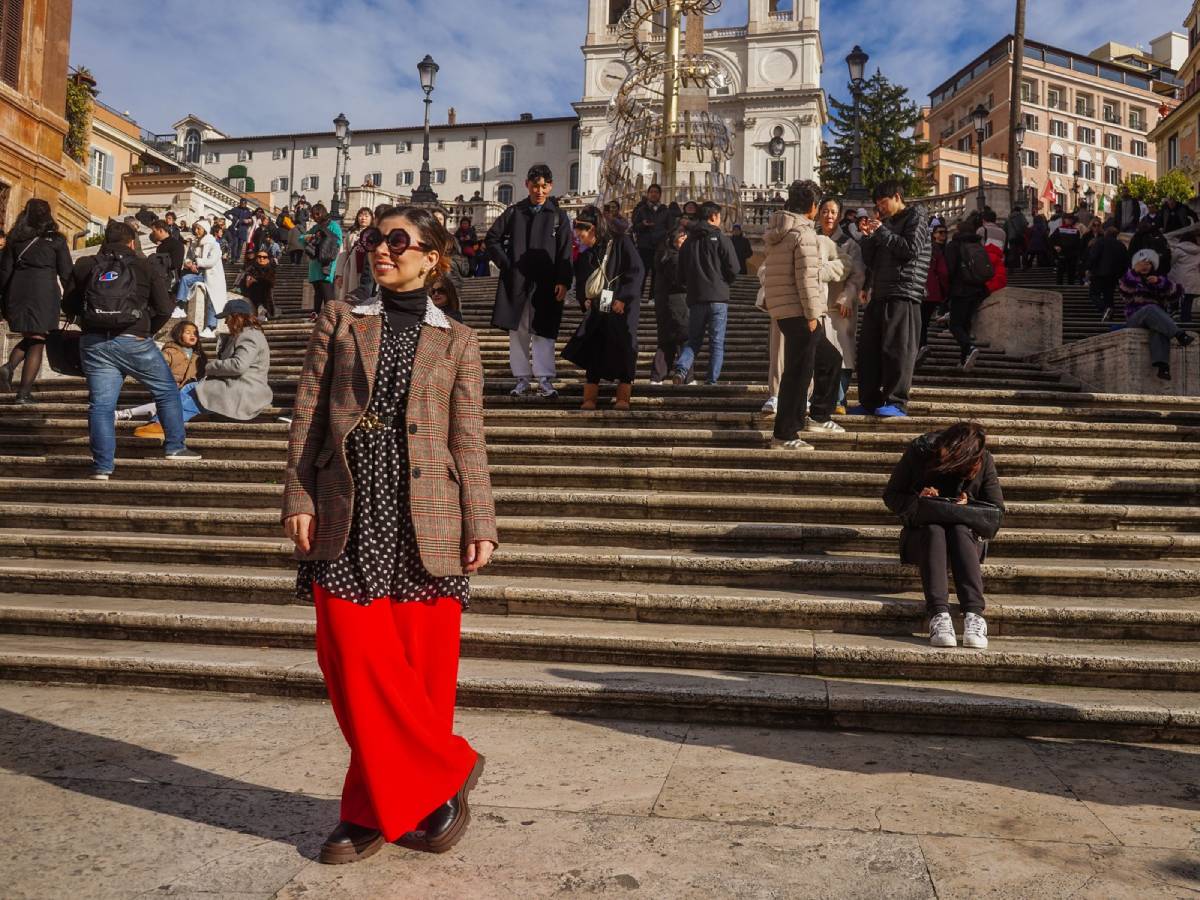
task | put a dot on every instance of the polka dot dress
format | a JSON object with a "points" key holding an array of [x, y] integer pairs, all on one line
{"points": [[381, 557]]}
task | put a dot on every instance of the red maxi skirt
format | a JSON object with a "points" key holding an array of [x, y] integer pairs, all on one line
{"points": [[391, 670]]}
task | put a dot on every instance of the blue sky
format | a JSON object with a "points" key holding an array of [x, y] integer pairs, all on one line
{"points": [[264, 66]]}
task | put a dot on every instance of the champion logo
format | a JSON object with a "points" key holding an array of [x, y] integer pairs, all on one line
{"points": [[110, 276]]}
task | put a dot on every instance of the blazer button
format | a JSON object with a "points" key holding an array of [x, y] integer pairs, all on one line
{"points": [[416, 473], [412, 429]]}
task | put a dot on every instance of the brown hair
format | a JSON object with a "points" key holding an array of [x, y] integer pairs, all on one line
{"points": [[239, 322], [430, 232], [959, 450], [452, 301], [177, 338]]}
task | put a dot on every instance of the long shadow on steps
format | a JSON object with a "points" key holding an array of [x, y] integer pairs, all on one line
{"points": [[29, 746]]}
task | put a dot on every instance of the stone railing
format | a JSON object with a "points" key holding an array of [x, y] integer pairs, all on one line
{"points": [[960, 204]]}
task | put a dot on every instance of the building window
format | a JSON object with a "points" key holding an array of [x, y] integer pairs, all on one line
{"points": [[12, 28], [988, 130], [1084, 106], [279, 153], [574, 137], [441, 144], [310, 152], [966, 143], [405, 178], [439, 176], [1112, 115], [1137, 119], [1055, 98], [539, 139], [504, 194], [1032, 123], [1060, 199], [373, 149], [1058, 163], [1029, 92], [1059, 128], [1138, 148], [573, 178], [310, 183], [958, 183], [245, 155], [1029, 158], [474, 143], [1087, 170], [1172, 152], [239, 184], [1113, 141], [470, 174], [212, 158], [404, 147], [100, 170], [1085, 135], [191, 146], [508, 160], [280, 184], [778, 171], [1112, 175]]}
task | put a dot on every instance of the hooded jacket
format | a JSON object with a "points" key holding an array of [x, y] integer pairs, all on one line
{"points": [[897, 256], [1185, 266], [791, 280], [708, 265], [1108, 257]]}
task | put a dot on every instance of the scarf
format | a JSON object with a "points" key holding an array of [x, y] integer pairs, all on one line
{"points": [[405, 309]]}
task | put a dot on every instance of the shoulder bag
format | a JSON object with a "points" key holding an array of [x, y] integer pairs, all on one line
{"points": [[981, 517]]}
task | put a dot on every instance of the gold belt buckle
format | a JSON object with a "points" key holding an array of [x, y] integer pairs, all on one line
{"points": [[370, 422]]}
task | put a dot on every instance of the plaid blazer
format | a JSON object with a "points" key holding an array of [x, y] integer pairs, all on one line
{"points": [[450, 488]]}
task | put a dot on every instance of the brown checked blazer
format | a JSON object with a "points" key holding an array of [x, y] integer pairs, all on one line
{"points": [[450, 489]]}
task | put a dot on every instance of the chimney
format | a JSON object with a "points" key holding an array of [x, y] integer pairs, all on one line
{"points": [[451, 116], [526, 117]]}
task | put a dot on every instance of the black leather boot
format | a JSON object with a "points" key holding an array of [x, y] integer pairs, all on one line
{"points": [[350, 843], [445, 826]]}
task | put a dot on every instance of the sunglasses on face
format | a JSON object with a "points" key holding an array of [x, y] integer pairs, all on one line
{"points": [[440, 292], [398, 240], [582, 226]]}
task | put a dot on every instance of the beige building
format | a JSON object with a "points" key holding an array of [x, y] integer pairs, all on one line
{"points": [[1177, 135], [1087, 119]]}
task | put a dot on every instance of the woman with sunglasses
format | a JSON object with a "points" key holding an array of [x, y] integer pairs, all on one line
{"points": [[258, 283], [612, 302], [353, 268], [444, 295], [389, 503]]}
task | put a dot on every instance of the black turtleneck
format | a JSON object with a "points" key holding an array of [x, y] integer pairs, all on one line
{"points": [[404, 309]]}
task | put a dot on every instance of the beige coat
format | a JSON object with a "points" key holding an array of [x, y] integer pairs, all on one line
{"points": [[797, 269], [842, 330]]}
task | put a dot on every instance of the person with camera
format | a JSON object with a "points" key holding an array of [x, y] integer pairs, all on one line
{"points": [[322, 246], [947, 494], [608, 279]]}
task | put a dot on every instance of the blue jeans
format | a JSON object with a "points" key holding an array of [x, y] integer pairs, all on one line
{"points": [[191, 404], [705, 319], [185, 287], [1161, 328], [106, 363]]}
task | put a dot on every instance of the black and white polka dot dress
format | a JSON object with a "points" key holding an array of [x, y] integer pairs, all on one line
{"points": [[381, 557]]}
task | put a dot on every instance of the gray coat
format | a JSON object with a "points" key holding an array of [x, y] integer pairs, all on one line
{"points": [[235, 383]]}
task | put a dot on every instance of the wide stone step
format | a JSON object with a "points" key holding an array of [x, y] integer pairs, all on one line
{"points": [[687, 695]]}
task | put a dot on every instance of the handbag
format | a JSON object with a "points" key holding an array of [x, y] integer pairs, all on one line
{"points": [[63, 353], [981, 517], [578, 350], [598, 280]]}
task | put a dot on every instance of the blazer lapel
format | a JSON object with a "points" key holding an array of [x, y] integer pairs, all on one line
{"points": [[368, 335], [431, 348]]}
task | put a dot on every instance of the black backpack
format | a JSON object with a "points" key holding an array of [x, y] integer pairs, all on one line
{"points": [[110, 301], [974, 265], [164, 263]]}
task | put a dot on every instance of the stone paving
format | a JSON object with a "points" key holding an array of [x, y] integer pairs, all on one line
{"points": [[124, 793]]}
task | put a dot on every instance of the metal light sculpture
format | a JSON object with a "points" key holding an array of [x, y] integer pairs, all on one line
{"points": [[691, 149]]}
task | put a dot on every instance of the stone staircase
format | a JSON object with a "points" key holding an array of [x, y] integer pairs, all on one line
{"points": [[658, 564]]}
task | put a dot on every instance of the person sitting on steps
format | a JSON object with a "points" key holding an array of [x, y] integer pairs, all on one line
{"points": [[953, 464], [186, 359], [1147, 296]]}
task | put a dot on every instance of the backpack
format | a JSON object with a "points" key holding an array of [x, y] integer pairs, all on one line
{"points": [[974, 265], [163, 262], [110, 301]]}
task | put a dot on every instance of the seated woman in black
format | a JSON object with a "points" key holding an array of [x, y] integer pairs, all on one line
{"points": [[953, 464]]}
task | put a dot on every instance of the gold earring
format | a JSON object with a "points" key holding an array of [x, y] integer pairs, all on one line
{"points": [[424, 272]]}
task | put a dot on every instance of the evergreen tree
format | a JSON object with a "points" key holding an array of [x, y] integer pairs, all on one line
{"points": [[890, 149]]}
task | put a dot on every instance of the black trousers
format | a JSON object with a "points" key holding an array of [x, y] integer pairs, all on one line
{"points": [[936, 548], [962, 314], [671, 325], [1102, 289], [322, 291], [808, 358], [647, 255], [1066, 266], [928, 311], [888, 339]]}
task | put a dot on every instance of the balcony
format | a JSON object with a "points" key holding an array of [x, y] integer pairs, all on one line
{"points": [[1112, 118], [1137, 124], [1082, 109]]}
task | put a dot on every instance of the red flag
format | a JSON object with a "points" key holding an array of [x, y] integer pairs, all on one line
{"points": [[1049, 194]]}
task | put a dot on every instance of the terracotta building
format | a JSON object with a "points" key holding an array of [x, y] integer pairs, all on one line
{"points": [[1177, 136], [34, 43], [1087, 120]]}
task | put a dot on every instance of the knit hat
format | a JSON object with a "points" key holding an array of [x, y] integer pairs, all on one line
{"points": [[203, 223], [1145, 256]]}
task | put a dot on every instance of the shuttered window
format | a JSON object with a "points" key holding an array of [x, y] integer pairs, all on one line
{"points": [[12, 25]]}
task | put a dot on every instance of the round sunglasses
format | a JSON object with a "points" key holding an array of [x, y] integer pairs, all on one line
{"points": [[398, 240]]}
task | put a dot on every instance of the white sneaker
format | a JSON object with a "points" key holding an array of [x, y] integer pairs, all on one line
{"points": [[975, 632], [941, 631], [830, 427], [208, 333], [796, 444], [656, 381], [123, 415], [179, 313], [545, 389], [522, 388], [771, 406]]}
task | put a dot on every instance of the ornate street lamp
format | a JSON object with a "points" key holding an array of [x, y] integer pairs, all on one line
{"points": [[1018, 142], [979, 117], [856, 62], [428, 69], [1090, 197], [341, 131]]}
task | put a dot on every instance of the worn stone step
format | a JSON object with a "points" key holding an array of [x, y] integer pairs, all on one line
{"points": [[687, 695]]}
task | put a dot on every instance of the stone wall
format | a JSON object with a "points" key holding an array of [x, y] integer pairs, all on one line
{"points": [[1021, 322], [1119, 363]]}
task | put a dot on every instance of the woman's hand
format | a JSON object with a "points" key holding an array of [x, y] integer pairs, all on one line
{"points": [[477, 555], [813, 324], [844, 309], [337, 283], [962, 499], [930, 492], [560, 292], [618, 307], [301, 530]]}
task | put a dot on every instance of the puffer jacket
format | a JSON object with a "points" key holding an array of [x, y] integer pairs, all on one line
{"points": [[791, 277], [1185, 266], [897, 256]]}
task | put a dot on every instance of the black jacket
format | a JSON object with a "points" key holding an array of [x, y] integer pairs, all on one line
{"points": [[173, 246], [31, 270], [666, 274], [897, 256], [533, 253], [1107, 257], [1173, 219], [960, 289], [650, 225], [708, 265], [152, 290], [1156, 241], [912, 474], [741, 246], [1066, 241]]}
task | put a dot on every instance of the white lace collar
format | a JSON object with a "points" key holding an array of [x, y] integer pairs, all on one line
{"points": [[433, 316]]}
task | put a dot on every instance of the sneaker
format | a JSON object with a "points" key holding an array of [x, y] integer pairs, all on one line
{"points": [[179, 313], [1185, 338], [185, 455], [890, 412], [521, 388], [545, 389], [99, 476], [921, 354], [974, 632], [25, 398], [860, 410], [286, 420], [968, 361], [771, 406], [656, 381], [123, 415], [1106, 315], [796, 444], [830, 427], [941, 631], [678, 377], [151, 430], [208, 333], [1164, 371]]}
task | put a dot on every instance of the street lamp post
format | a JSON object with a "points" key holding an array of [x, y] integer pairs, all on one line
{"points": [[1089, 197], [424, 194], [1018, 141], [857, 63], [980, 117], [341, 130]]}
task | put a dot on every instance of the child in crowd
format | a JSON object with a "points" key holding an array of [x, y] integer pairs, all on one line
{"points": [[1146, 297], [186, 359]]}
